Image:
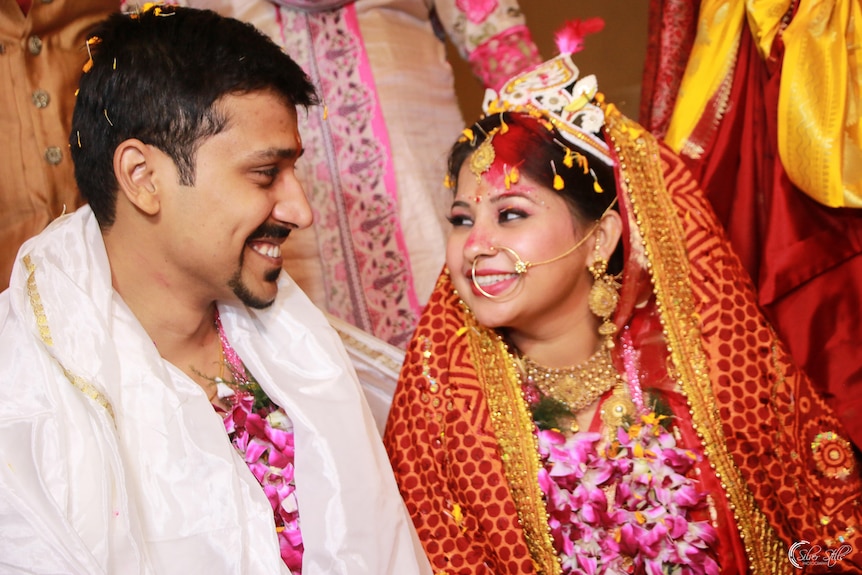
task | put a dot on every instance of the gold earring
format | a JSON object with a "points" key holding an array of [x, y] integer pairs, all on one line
{"points": [[604, 295]]}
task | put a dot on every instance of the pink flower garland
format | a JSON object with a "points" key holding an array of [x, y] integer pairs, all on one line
{"points": [[624, 506], [263, 435]]}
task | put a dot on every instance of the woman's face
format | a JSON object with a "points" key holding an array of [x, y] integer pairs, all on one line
{"points": [[536, 223]]}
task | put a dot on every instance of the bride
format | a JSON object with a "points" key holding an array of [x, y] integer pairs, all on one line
{"points": [[591, 388]]}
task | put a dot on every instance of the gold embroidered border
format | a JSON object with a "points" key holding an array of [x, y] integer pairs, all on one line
{"points": [[664, 243], [519, 450], [79, 383], [352, 343]]}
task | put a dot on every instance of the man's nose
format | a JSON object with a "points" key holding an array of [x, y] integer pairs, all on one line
{"points": [[291, 205]]}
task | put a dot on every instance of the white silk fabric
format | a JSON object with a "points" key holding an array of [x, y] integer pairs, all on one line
{"points": [[113, 461]]}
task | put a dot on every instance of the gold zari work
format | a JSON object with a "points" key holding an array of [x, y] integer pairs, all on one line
{"points": [[661, 231], [79, 383], [513, 428]]}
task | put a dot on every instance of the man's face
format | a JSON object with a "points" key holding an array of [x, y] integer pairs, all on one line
{"points": [[227, 229]]}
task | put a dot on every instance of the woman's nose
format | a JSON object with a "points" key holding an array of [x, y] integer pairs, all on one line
{"points": [[479, 243]]}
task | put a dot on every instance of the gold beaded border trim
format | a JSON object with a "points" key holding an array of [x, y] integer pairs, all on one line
{"points": [[79, 383], [664, 247], [519, 450]]}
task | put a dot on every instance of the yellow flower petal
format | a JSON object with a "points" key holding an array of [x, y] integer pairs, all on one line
{"points": [[558, 182]]}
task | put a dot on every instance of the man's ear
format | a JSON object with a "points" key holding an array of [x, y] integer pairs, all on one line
{"points": [[134, 168]]}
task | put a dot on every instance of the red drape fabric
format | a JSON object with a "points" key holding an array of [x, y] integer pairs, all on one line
{"points": [[804, 258], [672, 28]]}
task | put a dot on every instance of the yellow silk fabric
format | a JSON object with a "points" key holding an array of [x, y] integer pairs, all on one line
{"points": [[712, 59], [819, 134]]}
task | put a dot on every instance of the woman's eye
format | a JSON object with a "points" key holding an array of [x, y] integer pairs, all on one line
{"points": [[511, 215], [459, 220]]}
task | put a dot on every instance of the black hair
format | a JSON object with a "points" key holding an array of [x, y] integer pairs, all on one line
{"points": [[155, 76], [538, 150]]}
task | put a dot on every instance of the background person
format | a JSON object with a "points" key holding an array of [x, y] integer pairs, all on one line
{"points": [[41, 51]]}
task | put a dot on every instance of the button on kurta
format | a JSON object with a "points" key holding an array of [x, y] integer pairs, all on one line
{"points": [[53, 155], [41, 98], [34, 45]]}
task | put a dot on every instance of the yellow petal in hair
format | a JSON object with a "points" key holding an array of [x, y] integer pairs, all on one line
{"points": [[582, 162], [91, 41], [150, 6], [596, 187], [569, 159], [468, 133], [559, 184], [448, 183], [512, 176], [495, 106], [503, 127]]}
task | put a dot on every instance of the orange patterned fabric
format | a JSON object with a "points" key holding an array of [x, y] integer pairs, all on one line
{"points": [[444, 451], [775, 456]]}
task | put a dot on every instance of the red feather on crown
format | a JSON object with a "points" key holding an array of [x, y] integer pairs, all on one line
{"points": [[570, 38]]}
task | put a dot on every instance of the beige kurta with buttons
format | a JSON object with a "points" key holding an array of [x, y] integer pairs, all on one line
{"points": [[41, 57]]}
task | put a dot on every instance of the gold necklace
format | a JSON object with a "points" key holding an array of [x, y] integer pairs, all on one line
{"points": [[576, 387], [220, 377], [212, 383]]}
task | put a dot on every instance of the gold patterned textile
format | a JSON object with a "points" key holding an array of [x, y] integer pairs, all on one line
{"points": [[707, 75], [819, 128], [819, 132]]}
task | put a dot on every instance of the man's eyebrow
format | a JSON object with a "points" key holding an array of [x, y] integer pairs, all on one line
{"points": [[270, 154]]}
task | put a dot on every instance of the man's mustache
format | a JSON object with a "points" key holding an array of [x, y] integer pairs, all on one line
{"points": [[270, 230]]}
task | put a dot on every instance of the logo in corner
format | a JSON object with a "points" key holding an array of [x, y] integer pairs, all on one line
{"points": [[803, 554]]}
